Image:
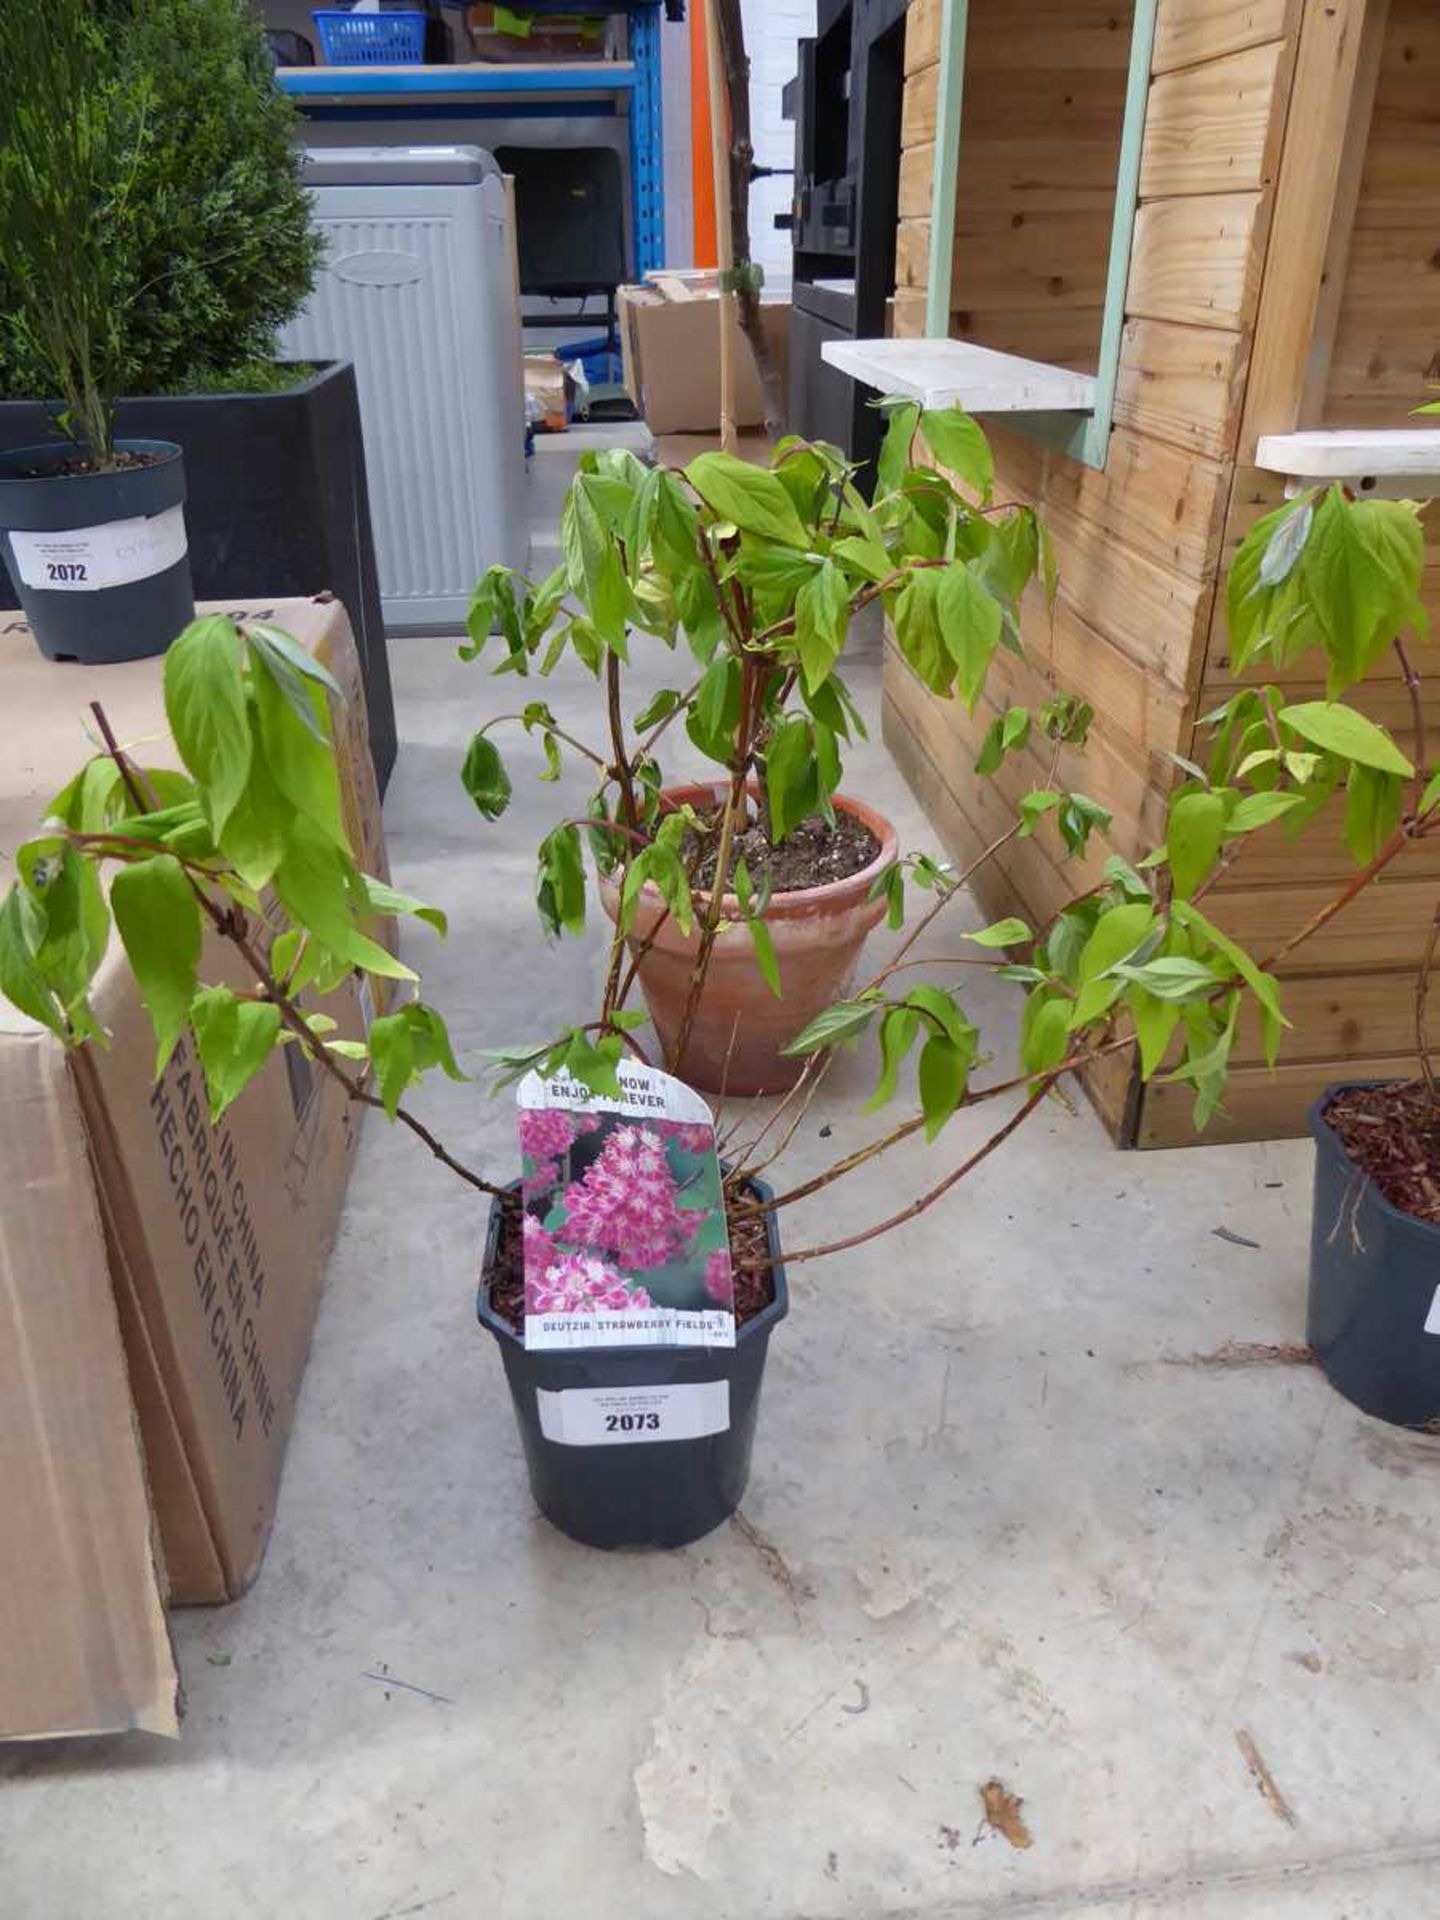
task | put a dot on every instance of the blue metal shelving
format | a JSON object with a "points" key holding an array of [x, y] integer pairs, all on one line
{"points": [[539, 91]]}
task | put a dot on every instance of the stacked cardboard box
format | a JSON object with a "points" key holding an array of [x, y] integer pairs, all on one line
{"points": [[158, 1276]]}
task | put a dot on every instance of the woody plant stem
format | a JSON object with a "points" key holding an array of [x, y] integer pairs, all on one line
{"points": [[230, 923]]}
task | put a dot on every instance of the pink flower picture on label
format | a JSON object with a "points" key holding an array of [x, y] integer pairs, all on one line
{"points": [[625, 1239]]}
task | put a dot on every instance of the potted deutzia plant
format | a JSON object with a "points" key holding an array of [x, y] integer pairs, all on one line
{"points": [[92, 528], [1132, 961], [1340, 578]]}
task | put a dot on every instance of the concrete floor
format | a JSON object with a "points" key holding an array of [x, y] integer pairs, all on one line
{"points": [[998, 1528]]}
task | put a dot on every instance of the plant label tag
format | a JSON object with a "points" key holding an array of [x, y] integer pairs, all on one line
{"points": [[625, 1238], [87, 559], [1432, 1318], [630, 1416]]}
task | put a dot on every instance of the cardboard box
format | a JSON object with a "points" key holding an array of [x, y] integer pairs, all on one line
{"points": [[670, 339], [158, 1276]]}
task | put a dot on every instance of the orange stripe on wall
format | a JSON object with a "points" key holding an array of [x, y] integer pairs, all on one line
{"points": [[701, 180]]}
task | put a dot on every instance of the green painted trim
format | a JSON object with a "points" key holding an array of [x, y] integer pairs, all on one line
{"points": [[1083, 436], [946, 167], [1122, 234]]}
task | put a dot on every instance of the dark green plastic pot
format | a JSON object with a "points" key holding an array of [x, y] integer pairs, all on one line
{"points": [[1374, 1312], [636, 1493], [71, 551]]}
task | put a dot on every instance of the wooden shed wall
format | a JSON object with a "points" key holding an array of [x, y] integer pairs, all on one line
{"points": [[1354, 344], [1141, 546]]}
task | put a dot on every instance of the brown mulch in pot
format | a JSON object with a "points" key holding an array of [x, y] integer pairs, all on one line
{"points": [[749, 1259], [1393, 1134]]}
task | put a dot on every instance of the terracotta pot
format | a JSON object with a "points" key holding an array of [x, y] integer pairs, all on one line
{"points": [[740, 1027]]}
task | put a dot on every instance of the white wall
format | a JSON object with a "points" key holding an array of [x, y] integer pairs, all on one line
{"points": [[772, 28]]}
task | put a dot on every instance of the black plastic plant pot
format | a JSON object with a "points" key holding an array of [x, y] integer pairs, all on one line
{"points": [[636, 1490], [99, 561], [1374, 1315]]}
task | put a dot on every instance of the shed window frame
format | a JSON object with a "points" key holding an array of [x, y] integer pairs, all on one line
{"points": [[1082, 433]]}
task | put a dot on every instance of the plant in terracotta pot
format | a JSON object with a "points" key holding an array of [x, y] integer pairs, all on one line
{"points": [[740, 904], [246, 844], [92, 528]]}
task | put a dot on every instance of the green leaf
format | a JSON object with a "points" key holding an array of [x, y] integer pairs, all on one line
{"points": [[864, 557], [842, 1022], [1262, 985], [234, 1039], [484, 778], [1155, 1024], [206, 710], [790, 777], [1033, 806], [1172, 977], [291, 666], [674, 538], [1341, 730], [1285, 544], [1431, 796], [750, 497], [1006, 734], [898, 1027], [1001, 933], [592, 562], [21, 981], [94, 799], [943, 1073], [385, 899], [894, 455], [300, 760], [1044, 1032], [392, 1057], [1094, 1000], [970, 619], [765, 957], [1193, 834], [1372, 811], [1077, 817], [67, 921], [712, 720], [941, 1013], [917, 630], [1362, 565], [1119, 932], [321, 889], [959, 445], [253, 838], [1259, 810], [822, 610], [560, 889], [159, 921], [596, 1066], [657, 709]]}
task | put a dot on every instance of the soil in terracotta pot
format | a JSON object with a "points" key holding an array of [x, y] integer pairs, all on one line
{"points": [[1393, 1134], [812, 854], [754, 1288]]}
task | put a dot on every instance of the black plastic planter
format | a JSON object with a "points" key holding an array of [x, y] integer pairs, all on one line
{"points": [[98, 560], [277, 503], [635, 1492], [1374, 1316]]}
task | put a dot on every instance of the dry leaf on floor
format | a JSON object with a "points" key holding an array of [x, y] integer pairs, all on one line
{"points": [[1003, 1813]]}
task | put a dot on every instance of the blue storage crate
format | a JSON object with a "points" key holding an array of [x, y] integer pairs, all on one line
{"points": [[369, 39]]}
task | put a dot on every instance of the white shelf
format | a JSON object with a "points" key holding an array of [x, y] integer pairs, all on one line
{"points": [[949, 373], [1382, 456]]}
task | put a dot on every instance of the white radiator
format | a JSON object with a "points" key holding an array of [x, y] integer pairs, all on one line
{"points": [[418, 290]]}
